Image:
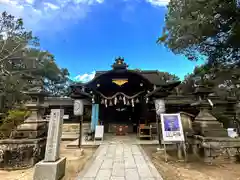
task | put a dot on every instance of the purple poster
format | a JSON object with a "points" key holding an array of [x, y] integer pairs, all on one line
{"points": [[171, 123], [172, 127]]}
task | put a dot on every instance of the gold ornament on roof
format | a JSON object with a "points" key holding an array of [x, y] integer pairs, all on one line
{"points": [[119, 61], [120, 82]]}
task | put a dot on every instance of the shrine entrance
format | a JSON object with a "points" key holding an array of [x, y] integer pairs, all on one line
{"points": [[125, 118]]}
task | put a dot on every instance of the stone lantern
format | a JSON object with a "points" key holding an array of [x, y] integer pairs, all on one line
{"points": [[26, 145], [205, 124], [34, 126]]}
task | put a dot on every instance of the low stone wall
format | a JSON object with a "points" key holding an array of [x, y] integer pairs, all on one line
{"points": [[70, 127], [21, 153], [210, 148], [74, 127]]}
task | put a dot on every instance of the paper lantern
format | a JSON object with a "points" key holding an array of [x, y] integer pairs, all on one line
{"points": [[159, 106], [78, 107]]}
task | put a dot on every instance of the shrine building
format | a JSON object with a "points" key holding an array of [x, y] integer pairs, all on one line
{"points": [[123, 97]]}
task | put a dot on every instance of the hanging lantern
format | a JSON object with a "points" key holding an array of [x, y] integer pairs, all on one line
{"points": [[137, 100], [93, 101], [159, 106], [132, 103], [124, 100], [128, 103], [78, 107], [110, 104], [102, 101], [120, 98], [115, 100]]}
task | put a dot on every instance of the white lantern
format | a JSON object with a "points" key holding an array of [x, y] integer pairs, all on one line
{"points": [[160, 106], [78, 107]]}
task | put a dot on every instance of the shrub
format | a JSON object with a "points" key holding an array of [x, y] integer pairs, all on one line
{"points": [[12, 119]]}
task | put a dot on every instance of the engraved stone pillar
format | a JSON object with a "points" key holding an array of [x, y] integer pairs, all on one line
{"points": [[52, 167], [54, 135]]}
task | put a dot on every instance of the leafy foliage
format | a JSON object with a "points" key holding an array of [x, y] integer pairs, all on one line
{"points": [[20, 55], [203, 28], [166, 77], [12, 119]]}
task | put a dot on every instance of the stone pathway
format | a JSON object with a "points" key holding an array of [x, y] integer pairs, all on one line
{"points": [[120, 161]]}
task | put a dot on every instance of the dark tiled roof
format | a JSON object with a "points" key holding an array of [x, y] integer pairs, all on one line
{"points": [[152, 75]]}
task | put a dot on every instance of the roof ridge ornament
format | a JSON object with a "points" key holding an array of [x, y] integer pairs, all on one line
{"points": [[119, 64]]}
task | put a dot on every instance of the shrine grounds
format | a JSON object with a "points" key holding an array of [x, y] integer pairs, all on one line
{"points": [[75, 163], [194, 169], [172, 170]]}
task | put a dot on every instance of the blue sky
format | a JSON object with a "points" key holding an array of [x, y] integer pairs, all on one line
{"points": [[86, 35]]}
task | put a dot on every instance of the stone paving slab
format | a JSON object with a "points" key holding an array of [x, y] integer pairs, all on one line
{"points": [[120, 161], [104, 174]]}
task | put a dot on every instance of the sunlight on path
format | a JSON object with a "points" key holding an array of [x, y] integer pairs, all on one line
{"points": [[120, 161]]}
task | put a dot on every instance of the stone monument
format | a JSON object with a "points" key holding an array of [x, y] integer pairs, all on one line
{"points": [[52, 167]]}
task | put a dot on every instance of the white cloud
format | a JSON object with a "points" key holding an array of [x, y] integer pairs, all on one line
{"points": [[158, 2], [55, 15], [51, 6], [85, 77], [39, 15], [30, 1]]}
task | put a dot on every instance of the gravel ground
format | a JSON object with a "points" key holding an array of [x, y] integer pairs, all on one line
{"points": [[192, 170], [75, 163]]}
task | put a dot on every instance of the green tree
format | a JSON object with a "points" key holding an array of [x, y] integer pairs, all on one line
{"points": [[166, 76], [202, 28], [20, 55], [56, 80]]}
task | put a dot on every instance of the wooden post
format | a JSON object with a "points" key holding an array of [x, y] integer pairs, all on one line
{"points": [[158, 129], [80, 132], [165, 151], [185, 152], [179, 150]]}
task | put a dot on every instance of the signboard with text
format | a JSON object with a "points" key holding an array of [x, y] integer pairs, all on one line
{"points": [[99, 132], [172, 128]]}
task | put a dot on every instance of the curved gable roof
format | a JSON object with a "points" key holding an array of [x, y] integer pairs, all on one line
{"points": [[152, 75]]}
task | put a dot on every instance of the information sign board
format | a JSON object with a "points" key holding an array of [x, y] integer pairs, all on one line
{"points": [[99, 132], [172, 128]]}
